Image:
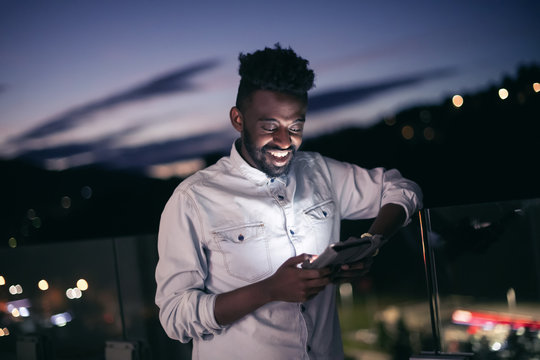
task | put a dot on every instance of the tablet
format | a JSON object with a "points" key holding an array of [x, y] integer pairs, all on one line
{"points": [[345, 252]]}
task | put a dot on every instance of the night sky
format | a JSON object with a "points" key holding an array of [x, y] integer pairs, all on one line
{"points": [[81, 81]]}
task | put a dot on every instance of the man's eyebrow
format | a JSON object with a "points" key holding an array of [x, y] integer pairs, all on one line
{"points": [[301, 119]]}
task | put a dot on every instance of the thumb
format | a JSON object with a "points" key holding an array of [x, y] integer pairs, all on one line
{"points": [[295, 260]]}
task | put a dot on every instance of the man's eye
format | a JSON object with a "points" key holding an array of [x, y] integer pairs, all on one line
{"points": [[296, 129], [269, 128]]}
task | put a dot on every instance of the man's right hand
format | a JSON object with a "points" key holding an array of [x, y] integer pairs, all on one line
{"points": [[289, 283], [293, 284]]}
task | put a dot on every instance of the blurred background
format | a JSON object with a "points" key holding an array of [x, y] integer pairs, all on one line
{"points": [[106, 106]]}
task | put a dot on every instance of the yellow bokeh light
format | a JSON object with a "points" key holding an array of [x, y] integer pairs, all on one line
{"points": [[2, 280], [12, 242], [407, 132], [457, 100], [503, 93], [43, 285], [15, 312], [82, 284], [536, 87]]}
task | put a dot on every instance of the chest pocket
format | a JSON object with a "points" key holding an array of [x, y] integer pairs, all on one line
{"points": [[245, 251], [321, 212], [320, 218]]}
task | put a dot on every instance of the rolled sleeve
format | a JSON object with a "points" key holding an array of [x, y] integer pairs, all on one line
{"points": [[401, 191], [186, 310]]}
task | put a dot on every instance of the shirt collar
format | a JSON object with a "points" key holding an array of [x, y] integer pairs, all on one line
{"points": [[249, 172]]}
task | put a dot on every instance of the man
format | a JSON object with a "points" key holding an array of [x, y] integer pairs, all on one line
{"points": [[233, 236]]}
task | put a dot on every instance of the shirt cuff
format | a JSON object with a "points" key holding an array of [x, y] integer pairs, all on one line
{"points": [[208, 315]]}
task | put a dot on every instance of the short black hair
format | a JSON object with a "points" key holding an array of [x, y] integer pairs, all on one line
{"points": [[274, 69]]}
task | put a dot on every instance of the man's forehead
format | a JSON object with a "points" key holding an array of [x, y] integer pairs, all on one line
{"points": [[268, 102]]}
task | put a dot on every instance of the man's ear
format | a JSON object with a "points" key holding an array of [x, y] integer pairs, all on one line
{"points": [[237, 119]]}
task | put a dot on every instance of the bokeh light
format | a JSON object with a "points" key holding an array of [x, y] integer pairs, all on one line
{"points": [[24, 312], [407, 132], [86, 192], [4, 332], [61, 319], [66, 202], [2, 280], [503, 93], [15, 289], [12, 242], [43, 285], [457, 100], [390, 121], [429, 133], [73, 293], [345, 290], [31, 213], [536, 87], [82, 284]]}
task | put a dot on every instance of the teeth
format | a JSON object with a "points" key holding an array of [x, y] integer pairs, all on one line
{"points": [[279, 154]]}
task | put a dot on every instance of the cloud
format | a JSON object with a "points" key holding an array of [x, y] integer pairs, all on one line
{"points": [[353, 94], [170, 151], [104, 153], [72, 149], [172, 82]]}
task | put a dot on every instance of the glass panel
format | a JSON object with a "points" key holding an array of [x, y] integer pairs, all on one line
{"points": [[385, 314], [488, 271]]}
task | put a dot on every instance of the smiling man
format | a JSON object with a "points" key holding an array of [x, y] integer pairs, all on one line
{"points": [[271, 125], [233, 237]]}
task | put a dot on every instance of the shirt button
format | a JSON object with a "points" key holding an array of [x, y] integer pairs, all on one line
{"points": [[291, 231], [241, 237], [271, 180]]}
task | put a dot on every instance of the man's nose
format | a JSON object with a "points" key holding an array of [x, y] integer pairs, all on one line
{"points": [[282, 138]]}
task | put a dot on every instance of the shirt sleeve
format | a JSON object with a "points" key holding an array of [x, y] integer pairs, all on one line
{"points": [[186, 311], [362, 192]]}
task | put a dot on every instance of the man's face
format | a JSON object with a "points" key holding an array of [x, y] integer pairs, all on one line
{"points": [[271, 126]]}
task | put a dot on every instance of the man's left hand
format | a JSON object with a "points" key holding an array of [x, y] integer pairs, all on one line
{"points": [[348, 272]]}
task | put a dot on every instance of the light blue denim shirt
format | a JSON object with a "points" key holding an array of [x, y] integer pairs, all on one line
{"points": [[230, 225]]}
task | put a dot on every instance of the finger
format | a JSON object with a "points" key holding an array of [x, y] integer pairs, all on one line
{"points": [[308, 274], [295, 260], [317, 283], [349, 275], [355, 266]]}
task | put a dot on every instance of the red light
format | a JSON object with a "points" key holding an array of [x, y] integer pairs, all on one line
{"points": [[481, 319]]}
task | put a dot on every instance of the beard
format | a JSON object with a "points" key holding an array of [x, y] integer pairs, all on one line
{"points": [[260, 156]]}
